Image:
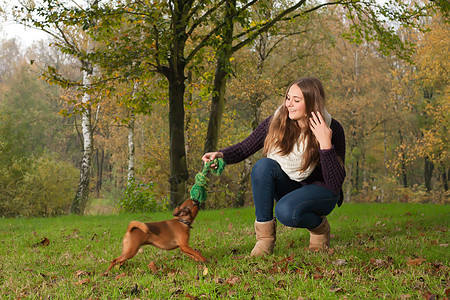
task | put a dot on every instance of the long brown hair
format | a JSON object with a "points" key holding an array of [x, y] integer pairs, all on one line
{"points": [[284, 133]]}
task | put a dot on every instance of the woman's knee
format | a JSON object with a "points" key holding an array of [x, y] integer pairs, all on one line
{"points": [[263, 166], [284, 215]]}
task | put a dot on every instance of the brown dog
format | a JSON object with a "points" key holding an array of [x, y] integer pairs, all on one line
{"points": [[166, 235]]}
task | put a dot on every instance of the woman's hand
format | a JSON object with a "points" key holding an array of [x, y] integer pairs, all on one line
{"points": [[210, 156], [321, 130]]}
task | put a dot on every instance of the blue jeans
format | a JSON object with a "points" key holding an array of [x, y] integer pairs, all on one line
{"points": [[298, 205]]}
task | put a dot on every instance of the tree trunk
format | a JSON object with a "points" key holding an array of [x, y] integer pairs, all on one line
{"points": [[365, 184], [445, 177], [385, 149], [220, 81], [82, 193], [402, 162], [131, 149], [178, 166], [428, 173], [100, 162], [357, 176], [403, 171], [174, 73]]}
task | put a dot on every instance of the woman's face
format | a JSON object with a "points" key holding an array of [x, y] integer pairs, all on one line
{"points": [[295, 103]]}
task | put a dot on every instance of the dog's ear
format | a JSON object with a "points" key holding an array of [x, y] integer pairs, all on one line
{"points": [[176, 211]]}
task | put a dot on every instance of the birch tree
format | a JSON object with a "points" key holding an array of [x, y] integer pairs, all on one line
{"points": [[70, 37], [81, 196]]}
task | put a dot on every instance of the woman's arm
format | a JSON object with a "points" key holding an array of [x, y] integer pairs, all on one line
{"points": [[254, 142], [332, 160]]}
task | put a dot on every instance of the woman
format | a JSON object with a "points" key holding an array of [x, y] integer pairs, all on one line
{"points": [[303, 169]]}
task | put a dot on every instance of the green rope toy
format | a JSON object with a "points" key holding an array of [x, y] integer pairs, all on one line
{"points": [[198, 190]]}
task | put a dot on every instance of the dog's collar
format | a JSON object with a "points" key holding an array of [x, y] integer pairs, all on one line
{"points": [[185, 222]]}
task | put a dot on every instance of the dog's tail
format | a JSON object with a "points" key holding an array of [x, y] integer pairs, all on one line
{"points": [[137, 224]]}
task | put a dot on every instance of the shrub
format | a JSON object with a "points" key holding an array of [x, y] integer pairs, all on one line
{"points": [[44, 188], [140, 197], [49, 187]]}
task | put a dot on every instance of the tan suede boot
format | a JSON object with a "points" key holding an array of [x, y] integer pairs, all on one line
{"points": [[320, 236], [265, 238]]}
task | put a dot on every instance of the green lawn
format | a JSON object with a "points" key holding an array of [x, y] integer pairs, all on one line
{"points": [[393, 251]]}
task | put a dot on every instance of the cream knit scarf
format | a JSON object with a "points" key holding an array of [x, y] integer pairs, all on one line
{"points": [[291, 162]]}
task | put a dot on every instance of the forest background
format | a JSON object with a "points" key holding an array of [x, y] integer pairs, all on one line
{"points": [[93, 82]]}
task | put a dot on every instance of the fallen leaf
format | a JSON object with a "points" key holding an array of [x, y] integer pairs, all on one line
{"points": [[205, 271], [81, 282], [153, 267], [219, 280], [415, 262], [231, 293], [340, 262], [378, 262], [430, 296], [318, 276], [120, 276], [336, 290], [438, 266], [176, 291], [80, 273], [233, 280], [45, 242]]}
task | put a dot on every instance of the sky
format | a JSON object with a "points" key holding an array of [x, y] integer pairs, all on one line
{"points": [[26, 35], [10, 29]]}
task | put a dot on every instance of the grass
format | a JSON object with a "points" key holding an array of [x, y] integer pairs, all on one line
{"points": [[391, 251]]}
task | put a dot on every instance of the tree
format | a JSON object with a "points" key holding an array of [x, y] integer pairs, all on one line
{"points": [[169, 37], [70, 40], [433, 78], [9, 54], [172, 40], [35, 174]]}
